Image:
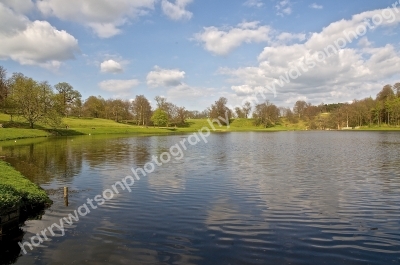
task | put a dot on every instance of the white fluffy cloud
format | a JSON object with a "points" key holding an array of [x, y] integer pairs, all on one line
{"points": [[33, 43], [165, 77], [111, 66], [222, 42], [118, 86], [104, 17], [352, 72], [176, 11], [316, 6]]}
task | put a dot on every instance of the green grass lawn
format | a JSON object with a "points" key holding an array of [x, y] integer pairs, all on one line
{"points": [[13, 134], [16, 190], [383, 127], [93, 126]]}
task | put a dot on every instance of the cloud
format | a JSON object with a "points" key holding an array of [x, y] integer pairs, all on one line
{"points": [[316, 6], [111, 66], [284, 7], [165, 77], [176, 11], [222, 42], [104, 17], [34, 43], [286, 37], [352, 72], [115, 85], [253, 3], [19, 6], [198, 96]]}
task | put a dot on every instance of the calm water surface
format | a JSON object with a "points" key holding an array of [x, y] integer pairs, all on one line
{"points": [[242, 198]]}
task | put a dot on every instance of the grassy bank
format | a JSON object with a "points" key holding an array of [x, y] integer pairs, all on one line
{"points": [[85, 126], [14, 134], [92, 126], [16, 190]]}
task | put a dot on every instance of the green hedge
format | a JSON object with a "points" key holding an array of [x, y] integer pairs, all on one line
{"points": [[9, 197]]}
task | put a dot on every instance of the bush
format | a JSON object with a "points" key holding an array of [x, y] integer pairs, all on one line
{"points": [[9, 197]]}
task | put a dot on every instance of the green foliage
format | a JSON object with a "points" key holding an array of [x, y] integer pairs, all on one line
{"points": [[15, 189], [9, 197], [159, 118], [67, 98], [33, 101]]}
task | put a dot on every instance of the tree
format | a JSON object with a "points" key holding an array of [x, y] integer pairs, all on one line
{"points": [[299, 108], [161, 102], [310, 111], [77, 108], [182, 115], [118, 109], [3, 86], [219, 109], [94, 107], [239, 112], [67, 97], [141, 109], [159, 117], [266, 114], [385, 94], [396, 88], [246, 109], [34, 101], [290, 116]]}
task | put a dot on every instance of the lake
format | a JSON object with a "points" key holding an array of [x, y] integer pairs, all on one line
{"points": [[240, 198]]}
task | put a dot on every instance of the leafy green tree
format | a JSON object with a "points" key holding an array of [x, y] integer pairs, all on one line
{"points": [[67, 97], [159, 118], [141, 109], [94, 107], [33, 101]]}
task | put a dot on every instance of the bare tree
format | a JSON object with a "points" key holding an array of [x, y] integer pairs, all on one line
{"points": [[219, 109], [299, 108], [3, 86], [266, 114], [246, 109]]}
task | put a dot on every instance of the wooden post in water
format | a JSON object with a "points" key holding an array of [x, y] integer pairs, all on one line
{"points": [[66, 196]]}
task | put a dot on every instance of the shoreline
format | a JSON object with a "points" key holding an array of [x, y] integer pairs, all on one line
{"points": [[18, 192], [20, 134]]}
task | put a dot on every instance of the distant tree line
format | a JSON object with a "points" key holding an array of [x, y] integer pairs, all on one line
{"points": [[39, 102]]}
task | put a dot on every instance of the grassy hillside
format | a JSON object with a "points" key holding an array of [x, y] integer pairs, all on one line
{"points": [[19, 129]]}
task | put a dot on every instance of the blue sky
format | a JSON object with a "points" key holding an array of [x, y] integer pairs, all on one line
{"points": [[192, 52]]}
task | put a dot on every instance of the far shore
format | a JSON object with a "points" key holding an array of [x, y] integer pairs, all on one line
{"points": [[92, 126]]}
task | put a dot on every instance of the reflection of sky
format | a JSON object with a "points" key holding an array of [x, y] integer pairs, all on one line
{"points": [[239, 198]]}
